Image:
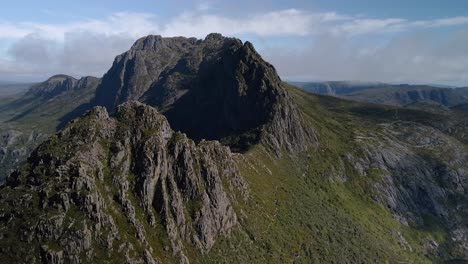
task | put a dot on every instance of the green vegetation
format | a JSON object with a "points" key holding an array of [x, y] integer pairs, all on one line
{"points": [[308, 209], [311, 208]]}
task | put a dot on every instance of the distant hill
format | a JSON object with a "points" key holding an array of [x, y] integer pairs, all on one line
{"points": [[389, 94]]}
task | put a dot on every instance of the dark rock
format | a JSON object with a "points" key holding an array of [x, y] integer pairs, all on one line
{"points": [[216, 88]]}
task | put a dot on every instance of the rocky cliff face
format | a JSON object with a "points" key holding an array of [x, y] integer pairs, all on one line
{"points": [[423, 179], [216, 88], [15, 146], [106, 188]]}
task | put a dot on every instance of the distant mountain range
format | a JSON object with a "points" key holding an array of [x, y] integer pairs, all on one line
{"points": [[382, 93]]}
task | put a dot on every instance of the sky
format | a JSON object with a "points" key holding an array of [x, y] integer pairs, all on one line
{"points": [[397, 41]]}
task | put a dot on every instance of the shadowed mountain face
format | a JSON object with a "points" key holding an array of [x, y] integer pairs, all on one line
{"points": [[216, 88]]}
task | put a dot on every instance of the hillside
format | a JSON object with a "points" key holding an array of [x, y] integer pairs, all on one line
{"points": [[299, 177]]}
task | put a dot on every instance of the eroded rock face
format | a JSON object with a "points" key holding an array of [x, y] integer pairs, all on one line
{"points": [[106, 188], [216, 88], [15, 146], [422, 179]]}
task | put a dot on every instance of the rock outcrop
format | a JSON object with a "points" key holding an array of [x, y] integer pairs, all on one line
{"points": [[422, 178], [112, 188], [217, 88], [15, 146]]}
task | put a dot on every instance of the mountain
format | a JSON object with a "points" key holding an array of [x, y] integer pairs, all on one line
{"points": [[401, 95], [309, 178], [51, 100], [216, 88], [27, 119]]}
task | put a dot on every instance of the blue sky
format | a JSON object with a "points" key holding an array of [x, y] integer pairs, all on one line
{"points": [[371, 40]]}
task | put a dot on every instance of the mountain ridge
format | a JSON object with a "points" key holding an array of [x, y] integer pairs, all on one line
{"points": [[391, 94]]}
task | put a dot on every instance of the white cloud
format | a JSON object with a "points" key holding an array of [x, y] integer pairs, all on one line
{"points": [[334, 45], [365, 26], [277, 23], [358, 26], [418, 58]]}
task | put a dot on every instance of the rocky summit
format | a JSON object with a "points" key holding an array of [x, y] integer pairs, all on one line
{"points": [[216, 88]]}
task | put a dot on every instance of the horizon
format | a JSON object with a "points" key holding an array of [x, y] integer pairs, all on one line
{"points": [[438, 85], [421, 42]]}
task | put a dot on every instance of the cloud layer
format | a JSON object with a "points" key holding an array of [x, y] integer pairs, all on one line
{"points": [[331, 46]]}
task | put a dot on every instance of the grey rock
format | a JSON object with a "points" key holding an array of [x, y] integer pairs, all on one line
{"points": [[131, 167], [217, 89]]}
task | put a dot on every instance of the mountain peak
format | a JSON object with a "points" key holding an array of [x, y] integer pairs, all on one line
{"points": [[217, 88], [214, 37]]}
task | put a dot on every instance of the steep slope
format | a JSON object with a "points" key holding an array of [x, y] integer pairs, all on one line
{"points": [[103, 187], [216, 88]]}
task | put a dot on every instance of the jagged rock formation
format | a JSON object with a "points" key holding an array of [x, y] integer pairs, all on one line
{"points": [[102, 188], [216, 88]]}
